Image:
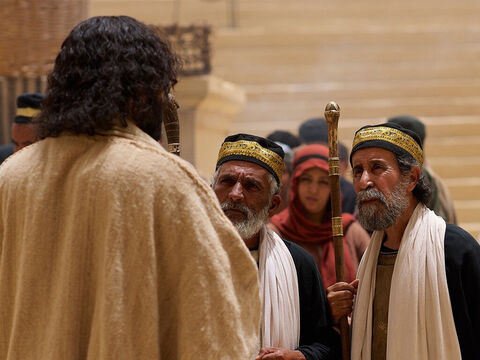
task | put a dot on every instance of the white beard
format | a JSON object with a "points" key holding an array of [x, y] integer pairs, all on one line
{"points": [[252, 224], [374, 216]]}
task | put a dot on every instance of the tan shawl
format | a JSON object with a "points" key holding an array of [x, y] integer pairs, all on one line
{"points": [[111, 248], [420, 319]]}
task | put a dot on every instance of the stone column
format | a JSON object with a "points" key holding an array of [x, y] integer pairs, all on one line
{"points": [[208, 106]]}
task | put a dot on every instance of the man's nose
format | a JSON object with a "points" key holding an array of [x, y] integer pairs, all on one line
{"points": [[236, 193], [365, 181]]}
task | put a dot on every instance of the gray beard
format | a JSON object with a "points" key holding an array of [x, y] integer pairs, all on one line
{"points": [[252, 224], [376, 216]]}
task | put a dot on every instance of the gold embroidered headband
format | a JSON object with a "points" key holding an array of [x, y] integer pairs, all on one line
{"points": [[392, 136], [245, 150], [27, 112]]}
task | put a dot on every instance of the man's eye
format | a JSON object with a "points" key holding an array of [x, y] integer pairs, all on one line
{"points": [[357, 172], [226, 181], [251, 186]]}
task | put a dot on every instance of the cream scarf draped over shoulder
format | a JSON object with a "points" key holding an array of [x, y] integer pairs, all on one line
{"points": [[420, 319], [279, 293]]}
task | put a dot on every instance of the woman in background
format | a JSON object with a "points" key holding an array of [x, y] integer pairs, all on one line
{"points": [[307, 219]]}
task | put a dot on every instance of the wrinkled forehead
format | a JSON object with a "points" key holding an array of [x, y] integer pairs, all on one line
{"points": [[373, 154], [238, 168]]}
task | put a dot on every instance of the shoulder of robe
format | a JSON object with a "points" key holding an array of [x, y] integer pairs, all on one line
{"points": [[459, 243]]}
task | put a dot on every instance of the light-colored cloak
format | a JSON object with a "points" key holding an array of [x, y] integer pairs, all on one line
{"points": [[111, 248]]}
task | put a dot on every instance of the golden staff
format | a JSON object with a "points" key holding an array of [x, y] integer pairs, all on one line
{"points": [[172, 127], [332, 114]]}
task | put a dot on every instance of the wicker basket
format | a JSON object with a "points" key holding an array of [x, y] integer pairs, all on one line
{"points": [[31, 32]]}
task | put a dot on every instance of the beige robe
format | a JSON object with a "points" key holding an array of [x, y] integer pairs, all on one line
{"points": [[111, 248]]}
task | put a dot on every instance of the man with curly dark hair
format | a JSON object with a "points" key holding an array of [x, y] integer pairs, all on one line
{"points": [[110, 247]]}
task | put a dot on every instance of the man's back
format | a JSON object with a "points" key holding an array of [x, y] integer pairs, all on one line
{"points": [[106, 253]]}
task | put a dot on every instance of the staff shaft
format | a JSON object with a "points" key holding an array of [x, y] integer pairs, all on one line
{"points": [[332, 114]]}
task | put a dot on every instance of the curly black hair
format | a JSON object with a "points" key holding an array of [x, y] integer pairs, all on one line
{"points": [[110, 69]]}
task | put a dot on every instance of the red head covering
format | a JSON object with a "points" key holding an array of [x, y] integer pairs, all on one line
{"points": [[315, 238]]}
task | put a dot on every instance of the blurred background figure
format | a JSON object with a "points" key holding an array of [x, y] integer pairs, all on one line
{"points": [[307, 219], [23, 131], [285, 137], [288, 142], [441, 202], [315, 131], [343, 153]]}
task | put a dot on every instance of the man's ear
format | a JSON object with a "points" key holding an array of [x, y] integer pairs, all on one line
{"points": [[276, 200], [414, 176]]}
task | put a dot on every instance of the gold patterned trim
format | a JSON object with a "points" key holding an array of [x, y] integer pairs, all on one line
{"points": [[174, 148], [253, 149], [393, 136], [27, 112], [337, 227], [333, 166]]}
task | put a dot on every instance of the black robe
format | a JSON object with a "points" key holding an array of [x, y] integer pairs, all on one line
{"points": [[318, 340], [462, 263]]}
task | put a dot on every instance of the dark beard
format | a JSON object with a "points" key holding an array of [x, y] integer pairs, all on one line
{"points": [[383, 213], [152, 119]]}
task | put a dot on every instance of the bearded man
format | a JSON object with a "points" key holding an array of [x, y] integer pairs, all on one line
{"points": [[295, 321], [110, 247], [419, 291]]}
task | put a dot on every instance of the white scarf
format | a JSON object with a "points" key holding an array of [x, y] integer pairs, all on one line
{"points": [[420, 319], [279, 293]]}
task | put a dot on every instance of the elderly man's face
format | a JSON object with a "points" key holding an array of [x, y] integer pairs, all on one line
{"points": [[243, 190], [381, 188]]}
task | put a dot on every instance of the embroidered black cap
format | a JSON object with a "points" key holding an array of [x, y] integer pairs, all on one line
{"points": [[389, 136], [28, 106], [254, 149]]}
